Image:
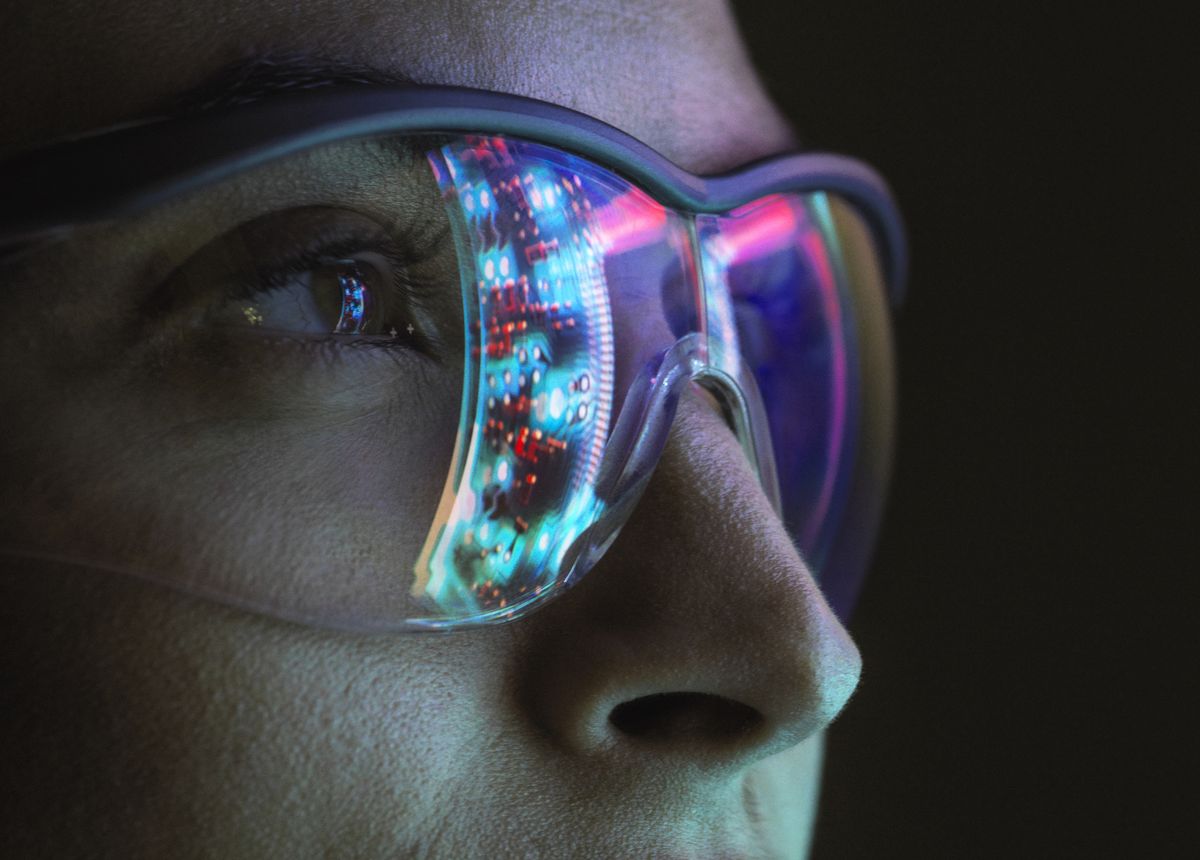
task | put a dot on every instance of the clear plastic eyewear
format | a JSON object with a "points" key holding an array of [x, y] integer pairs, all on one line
{"points": [[517, 296]]}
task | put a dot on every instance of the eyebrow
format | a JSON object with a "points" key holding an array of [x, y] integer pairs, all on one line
{"points": [[259, 77]]}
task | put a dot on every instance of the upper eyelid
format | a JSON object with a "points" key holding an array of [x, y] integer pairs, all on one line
{"points": [[313, 251], [341, 178], [238, 259]]}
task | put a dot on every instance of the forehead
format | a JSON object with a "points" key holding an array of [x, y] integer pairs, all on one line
{"points": [[671, 72]]}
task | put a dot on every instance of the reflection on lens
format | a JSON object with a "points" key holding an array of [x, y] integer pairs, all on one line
{"points": [[446, 471], [537, 405], [784, 319], [561, 261]]}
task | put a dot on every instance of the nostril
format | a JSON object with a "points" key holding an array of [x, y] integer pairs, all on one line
{"points": [[693, 717]]}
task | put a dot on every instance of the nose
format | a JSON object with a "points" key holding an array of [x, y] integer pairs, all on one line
{"points": [[700, 638]]}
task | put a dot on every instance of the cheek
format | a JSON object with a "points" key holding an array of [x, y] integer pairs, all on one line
{"points": [[146, 718], [261, 511]]}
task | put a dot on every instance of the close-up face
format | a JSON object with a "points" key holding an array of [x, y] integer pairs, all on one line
{"points": [[230, 417]]}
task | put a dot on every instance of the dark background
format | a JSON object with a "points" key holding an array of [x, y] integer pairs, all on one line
{"points": [[1026, 688]]}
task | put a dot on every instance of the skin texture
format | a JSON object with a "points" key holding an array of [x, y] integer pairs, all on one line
{"points": [[140, 722]]}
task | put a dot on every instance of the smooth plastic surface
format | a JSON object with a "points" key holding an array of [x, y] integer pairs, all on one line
{"points": [[589, 302]]}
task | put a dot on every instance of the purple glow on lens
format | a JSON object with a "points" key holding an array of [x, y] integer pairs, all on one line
{"points": [[781, 316], [814, 245], [631, 220], [756, 230]]}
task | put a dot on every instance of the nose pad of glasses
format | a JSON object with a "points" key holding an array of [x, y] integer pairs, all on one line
{"points": [[641, 433], [634, 447]]}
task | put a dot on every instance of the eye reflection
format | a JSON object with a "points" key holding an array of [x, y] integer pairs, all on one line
{"points": [[357, 301], [339, 296]]}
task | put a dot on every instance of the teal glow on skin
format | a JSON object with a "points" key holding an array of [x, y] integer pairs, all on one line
{"points": [[139, 722]]}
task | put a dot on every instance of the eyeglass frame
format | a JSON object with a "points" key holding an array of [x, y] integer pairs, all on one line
{"points": [[126, 169]]}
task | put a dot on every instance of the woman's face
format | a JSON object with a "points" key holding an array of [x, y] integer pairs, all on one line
{"points": [[671, 704]]}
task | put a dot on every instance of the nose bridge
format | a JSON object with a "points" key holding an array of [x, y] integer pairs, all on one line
{"points": [[674, 323]]}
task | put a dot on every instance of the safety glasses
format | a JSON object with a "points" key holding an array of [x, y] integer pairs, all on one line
{"points": [[472, 317]]}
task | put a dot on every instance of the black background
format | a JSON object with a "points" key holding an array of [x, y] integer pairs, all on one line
{"points": [[1026, 688]]}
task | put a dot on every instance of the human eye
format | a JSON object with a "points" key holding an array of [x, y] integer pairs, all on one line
{"points": [[310, 307], [257, 377], [347, 285]]}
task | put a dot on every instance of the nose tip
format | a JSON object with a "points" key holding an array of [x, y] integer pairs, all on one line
{"points": [[701, 636], [729, 695]]}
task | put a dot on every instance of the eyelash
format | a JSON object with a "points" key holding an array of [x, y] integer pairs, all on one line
{"points": [[326, 247]]}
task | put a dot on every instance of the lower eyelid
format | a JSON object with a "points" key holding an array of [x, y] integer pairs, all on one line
{"points": [[308, 340]]}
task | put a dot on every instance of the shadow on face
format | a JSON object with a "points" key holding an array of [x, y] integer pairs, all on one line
{"points": [[670, 705]]}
